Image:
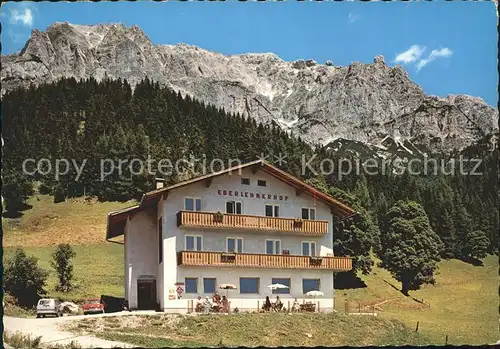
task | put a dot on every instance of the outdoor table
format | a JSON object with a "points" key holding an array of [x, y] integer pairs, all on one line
{"points": [[308, 307]]}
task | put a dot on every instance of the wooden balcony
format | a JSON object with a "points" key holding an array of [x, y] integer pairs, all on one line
{"points": [[247, 222], [269, 261]]}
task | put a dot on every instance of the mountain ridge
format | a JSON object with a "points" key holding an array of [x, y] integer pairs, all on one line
{"points": [[319, 102]]}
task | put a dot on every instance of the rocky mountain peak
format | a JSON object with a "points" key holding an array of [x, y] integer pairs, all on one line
{"points": [[320, 102]]}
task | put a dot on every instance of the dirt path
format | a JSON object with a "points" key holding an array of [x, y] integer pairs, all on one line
{"points": [[49, 329]]}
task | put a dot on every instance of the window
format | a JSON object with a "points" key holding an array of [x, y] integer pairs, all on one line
{"points": [[308, 213], [261, 183], [273, 246], [191, 285], [208, 285], [272, 211], [160, 240], [194, 243], [233, 207], [249, 285], [282, 281], [192, 204], [234, 245], [308, 248], [245, 181], [310, 285]]}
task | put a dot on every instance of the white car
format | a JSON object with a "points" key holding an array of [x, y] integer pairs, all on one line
{"points": [[48, 306]]}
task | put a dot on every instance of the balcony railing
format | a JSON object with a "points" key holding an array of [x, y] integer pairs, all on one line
{"points": [[247, 260], [247, 222]]}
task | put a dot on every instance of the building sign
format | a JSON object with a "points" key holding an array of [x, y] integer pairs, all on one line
{"points": [[179, 290], [171, 294], [252, 195]]}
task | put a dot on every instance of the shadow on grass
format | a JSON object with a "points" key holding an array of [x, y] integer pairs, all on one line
{"points": [[344, 281], [393, 286], [17, 213], [421, 301], [472, 261], [9, 214]]}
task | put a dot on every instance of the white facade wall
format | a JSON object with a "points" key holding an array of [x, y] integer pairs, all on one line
{"points": [[253, 242], [141, 252], [141, 242]]}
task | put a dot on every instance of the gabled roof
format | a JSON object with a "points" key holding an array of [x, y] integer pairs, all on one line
{"points": [[117, 219]]}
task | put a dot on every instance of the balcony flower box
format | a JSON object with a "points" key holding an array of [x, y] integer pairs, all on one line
{"points": [[315, 260], [218, 217], [228, 257]]}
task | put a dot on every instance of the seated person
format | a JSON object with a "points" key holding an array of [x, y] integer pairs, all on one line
{"points": [[216, 298], [207, 305], [199, 305], [296, 305], [267, 304], [225, 304], [278, 304]]}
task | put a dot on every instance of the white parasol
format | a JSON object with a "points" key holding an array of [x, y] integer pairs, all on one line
{"points": [[314, 294], [277, 286], [227, 287]]}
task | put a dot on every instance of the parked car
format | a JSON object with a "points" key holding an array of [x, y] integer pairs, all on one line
{"points": [[93, 306], [48, 306]]}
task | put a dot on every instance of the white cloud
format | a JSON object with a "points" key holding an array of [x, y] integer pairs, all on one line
{"points": [[353, 17], [444, 52], [411, 55], [24, 16]]}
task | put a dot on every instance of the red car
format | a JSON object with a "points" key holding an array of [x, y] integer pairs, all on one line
{"points": [[93, 306]]}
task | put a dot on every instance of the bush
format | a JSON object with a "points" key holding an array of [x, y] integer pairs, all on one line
{"points": [[22, 341], [16, 189], [475, 245], [62, 264], [44, 189], [59, 195], [24, 279]]}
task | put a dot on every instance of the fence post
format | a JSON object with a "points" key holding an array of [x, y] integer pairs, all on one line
{"points": [[347, 307], [258, 306], [416, 329], [318, 307], [288, 305], [446, 343]]}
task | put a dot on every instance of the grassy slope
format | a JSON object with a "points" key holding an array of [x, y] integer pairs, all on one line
{"points": [[254, 330], [98, 265], [98, 269], [76, 221], [463, 303]]}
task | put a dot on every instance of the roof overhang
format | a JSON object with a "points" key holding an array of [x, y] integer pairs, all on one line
{"points": [[117, 219]]}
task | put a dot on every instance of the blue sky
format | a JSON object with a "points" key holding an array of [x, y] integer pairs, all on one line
{"points": [[446, 47]]}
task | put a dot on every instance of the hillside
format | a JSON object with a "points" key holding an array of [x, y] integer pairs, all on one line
{"points": [[320, 102], [461, 303], [77, 222], [251, 330]]}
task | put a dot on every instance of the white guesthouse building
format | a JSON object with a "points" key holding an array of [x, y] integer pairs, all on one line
{"points": [[252, 225]]}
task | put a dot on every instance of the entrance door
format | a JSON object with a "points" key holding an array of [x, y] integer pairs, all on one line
{"points": [[146, 294]]}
